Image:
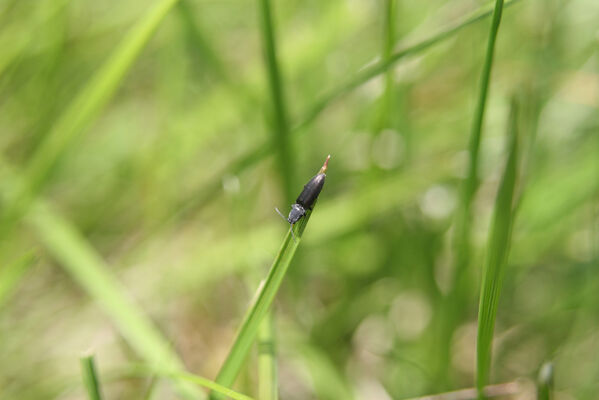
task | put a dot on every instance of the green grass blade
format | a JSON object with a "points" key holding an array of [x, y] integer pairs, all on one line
{"points": [[198, 380], [88, 269], [82, 110], [259, 308], [384, 65], [90, 378], [475, 133], [496, 258], [470, 184], [11, 274], [204, 194], [143, 370], [280, 129], [267, 361], [457, 297], [205, 55], [200, 46], [15, 39], [388, 37], [545, 382]]}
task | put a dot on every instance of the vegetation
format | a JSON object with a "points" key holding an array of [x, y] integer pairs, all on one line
{"points": [[454, 248]]}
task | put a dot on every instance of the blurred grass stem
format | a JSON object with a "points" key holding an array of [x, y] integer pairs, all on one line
{"points": [[90, 378], [497, 255]]}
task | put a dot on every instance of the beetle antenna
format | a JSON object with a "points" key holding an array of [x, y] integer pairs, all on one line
{"points": [[281, 214]]}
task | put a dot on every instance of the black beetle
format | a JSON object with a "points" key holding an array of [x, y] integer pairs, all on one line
{"points": [[306, 199]]}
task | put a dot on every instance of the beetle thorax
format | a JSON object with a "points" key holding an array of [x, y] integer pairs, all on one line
{"points": [[297, 211]]}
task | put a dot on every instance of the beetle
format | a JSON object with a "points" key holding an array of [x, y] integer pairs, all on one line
{"points": [[306, 199]]}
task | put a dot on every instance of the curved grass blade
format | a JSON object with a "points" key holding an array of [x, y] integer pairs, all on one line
{"points": [[496, 258], [86, 267], [260, 306], [204, 194], [382, 66], [136, 370], [207, 383], [280, 128], [456, 301], [11, 274], [545, 382], [471, 182], [81, 112], [267, 361], [90, 378]]}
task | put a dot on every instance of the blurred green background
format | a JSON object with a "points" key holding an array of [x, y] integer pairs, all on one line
{"points": [[143, 156]]}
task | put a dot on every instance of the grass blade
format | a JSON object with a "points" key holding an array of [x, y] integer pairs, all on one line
{"points": [[259, 308], [90, 378], [84, 265], [545, 382], [280, 131], [471, 182], [198, 380], [267, 361], [475, 133], [456, 303], [11, 274], [387, 104], [143, 370], [382, 66], [199, 198], [81, 112], [496, 258]]}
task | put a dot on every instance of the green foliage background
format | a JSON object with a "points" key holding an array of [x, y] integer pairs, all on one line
{"points": [[145, 146]]}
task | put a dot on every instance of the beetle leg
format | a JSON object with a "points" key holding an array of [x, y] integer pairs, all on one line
{"points": [[292, 234]]}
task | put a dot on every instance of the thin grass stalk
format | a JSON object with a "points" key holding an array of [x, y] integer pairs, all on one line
{"points": [[11, 275], [267, 361], [456, 302], [496, 258], [260, 306], [387, 51], [472, 180], [86, 267], [208, 384], [204, 195], [90, 378], [208, 59], [382, 66], [144, 370], [545, 382], [80, 113], [280, 131], [267, 365]]}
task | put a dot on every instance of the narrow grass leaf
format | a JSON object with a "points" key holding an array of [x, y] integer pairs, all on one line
{"points": [[470, 184], [457, 297], [11, 274], [545, 382], [280, 128], [267, 361], [88, 269], [82, 110], [260, 306], [382, 66], [90, 378], [204, 194], [496, 258], [143, 370], [198, 380]]}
